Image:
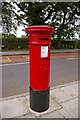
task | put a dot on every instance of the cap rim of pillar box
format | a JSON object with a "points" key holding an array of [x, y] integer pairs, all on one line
{"points": [[40, 28]]}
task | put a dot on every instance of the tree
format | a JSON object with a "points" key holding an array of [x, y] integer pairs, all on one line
{"points": [[62, 16], [7, 36], [9, 18], [64, 20], [33, 13], [23, 36]]}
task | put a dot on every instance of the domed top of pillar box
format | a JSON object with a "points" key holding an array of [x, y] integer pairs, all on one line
{"points": [[39, 34], [40, 28]]}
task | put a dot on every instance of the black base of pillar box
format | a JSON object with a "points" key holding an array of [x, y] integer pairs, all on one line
{"points": [[39, 100]]}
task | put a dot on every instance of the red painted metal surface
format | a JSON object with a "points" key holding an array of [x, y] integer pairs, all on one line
{"points": [[39, 40]]}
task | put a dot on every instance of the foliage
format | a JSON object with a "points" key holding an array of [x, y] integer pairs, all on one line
{"points": [[7, 36], [23, 43], [32, 13], [9, 18], [63, 19], [0, 35], [15, 43], [65, 44], [61, 15], [23, 36]]}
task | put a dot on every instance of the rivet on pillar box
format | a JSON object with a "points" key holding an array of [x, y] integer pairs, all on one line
{"points": [[39, 42]]}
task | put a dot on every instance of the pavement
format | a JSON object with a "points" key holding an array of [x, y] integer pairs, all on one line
{"points": [[20, 56], [63, 104], [27, 52], [23, 58]]}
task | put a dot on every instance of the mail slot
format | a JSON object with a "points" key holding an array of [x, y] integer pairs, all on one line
{"points": [[43, 38], [39, 41]]}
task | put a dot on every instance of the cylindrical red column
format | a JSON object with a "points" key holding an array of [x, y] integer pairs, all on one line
{"points": [[39, 41]]}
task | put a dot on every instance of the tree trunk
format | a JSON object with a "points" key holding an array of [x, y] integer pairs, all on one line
{"points": [[59, 41]]}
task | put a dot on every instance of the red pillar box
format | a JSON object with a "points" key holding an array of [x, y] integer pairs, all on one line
{"points": [[39, 41]]}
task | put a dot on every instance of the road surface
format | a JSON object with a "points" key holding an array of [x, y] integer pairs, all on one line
{"points": [[15, 76]]}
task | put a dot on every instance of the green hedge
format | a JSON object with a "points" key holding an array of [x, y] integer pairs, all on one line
{"points": [[65, 44], [23, 43], [15, 43]]}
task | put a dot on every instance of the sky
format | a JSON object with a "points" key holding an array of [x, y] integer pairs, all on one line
{"points": [[20, 32]]}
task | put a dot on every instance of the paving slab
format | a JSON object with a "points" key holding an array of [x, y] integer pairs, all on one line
{"points": [[66, 84], [65, 93], [71, 107], [14, 107], [72, 90], [29, 115], [58, 114]]}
